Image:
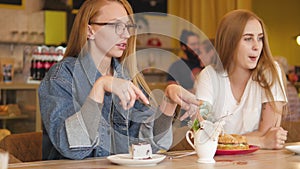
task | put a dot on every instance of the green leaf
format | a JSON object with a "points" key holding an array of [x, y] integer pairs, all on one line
{"points": [[196, 125]]}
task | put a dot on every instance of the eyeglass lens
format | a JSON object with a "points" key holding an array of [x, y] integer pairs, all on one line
{"points": [[121, 27]]}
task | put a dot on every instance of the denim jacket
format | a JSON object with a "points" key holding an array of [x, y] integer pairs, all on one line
{"points": [[76, 127]]}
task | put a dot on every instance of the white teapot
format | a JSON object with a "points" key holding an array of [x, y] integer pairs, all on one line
{"points": [[205, 140]]}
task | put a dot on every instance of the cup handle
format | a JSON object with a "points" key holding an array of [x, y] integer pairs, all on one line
{"points": [[187, 137]]}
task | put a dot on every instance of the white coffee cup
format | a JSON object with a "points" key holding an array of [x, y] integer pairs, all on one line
{"points": [[4, 157], [205, 140]]}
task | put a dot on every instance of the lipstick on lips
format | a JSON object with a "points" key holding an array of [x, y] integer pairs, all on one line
{"points": [[253, 58], [121, 46]]}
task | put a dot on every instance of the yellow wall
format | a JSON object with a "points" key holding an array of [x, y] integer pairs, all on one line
{"points": [[205, 14], [55, 27], [282, 19]]}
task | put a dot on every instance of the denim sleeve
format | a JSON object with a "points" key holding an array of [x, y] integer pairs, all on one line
{"points": [[57, 105], [82, 127]]}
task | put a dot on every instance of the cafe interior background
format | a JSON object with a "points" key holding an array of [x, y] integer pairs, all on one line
{"points": [[29, 26]]}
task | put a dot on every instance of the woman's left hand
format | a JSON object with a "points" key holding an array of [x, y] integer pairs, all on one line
{"points": [[275, 138]]}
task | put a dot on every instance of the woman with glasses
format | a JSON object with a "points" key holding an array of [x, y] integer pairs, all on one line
{"points": [[94, 102]]}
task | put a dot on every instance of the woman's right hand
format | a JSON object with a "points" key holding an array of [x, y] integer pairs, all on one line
{"points": [[124, 89]]}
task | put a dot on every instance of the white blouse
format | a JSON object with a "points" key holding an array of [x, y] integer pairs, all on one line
{"points": [[242, 117]]}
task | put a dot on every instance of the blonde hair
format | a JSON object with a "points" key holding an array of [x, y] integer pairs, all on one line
{"points": [[78, 37], [229, 33]]}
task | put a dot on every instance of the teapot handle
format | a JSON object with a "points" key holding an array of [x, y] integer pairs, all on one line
{"points": [[187, 137]]}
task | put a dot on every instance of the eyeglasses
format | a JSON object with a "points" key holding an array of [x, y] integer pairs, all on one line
{"points": [[120, 27]]}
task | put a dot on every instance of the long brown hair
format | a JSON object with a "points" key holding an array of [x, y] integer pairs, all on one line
{"points": [[78, 37], [229, 33]]}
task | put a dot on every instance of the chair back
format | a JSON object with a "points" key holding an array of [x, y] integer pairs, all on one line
{"points": [[24, 146]]}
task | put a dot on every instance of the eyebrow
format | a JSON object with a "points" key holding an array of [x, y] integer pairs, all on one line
{"points": [[114, 20], [119, 20], [250, 34]]}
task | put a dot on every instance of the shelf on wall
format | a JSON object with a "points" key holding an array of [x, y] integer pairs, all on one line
{"points": [[15, 85], [31, 104], [19, 43]]}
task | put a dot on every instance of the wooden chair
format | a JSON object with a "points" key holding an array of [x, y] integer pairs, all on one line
{"points": [[4, 133], [293, 128], [24, 146], [179, 140], [12, 159]]}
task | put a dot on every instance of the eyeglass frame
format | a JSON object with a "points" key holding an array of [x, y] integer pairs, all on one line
{"points": [[127, 26]]}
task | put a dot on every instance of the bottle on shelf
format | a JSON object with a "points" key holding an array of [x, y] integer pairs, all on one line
{"points": [[43, 58]]}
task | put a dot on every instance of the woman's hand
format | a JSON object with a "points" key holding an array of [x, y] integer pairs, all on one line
{"points": [[198, 112], [274, 138], [181, 96], [270, 134], [124, 89], [175, 94]]}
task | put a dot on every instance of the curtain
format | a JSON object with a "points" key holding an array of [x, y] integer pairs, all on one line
{"points": [[205, 14]]}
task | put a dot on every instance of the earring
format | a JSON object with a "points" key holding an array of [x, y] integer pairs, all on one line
{"points": [[90, 33], [91, 37]]}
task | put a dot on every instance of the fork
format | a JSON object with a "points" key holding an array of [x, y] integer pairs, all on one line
{"points": [[182, 155]]}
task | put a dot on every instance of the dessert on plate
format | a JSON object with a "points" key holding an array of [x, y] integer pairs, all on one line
{"points": [[141, 151]]}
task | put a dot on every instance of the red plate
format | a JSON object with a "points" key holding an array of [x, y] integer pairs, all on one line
{"points": [[234, 152]]}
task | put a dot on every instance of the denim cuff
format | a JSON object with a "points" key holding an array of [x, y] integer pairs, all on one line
{"points": [[91, 113], [82, 127]]}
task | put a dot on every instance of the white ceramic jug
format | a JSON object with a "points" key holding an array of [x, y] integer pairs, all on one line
{"points": [[205, 140]]}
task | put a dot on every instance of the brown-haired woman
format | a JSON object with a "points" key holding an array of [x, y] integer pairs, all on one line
{"points": [[247, 88]]}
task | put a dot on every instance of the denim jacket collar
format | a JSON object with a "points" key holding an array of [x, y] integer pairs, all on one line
{"points": [[89, 68]]}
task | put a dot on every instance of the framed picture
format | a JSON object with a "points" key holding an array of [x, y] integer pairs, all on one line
{"points": [[13, 4], [159, 6]]}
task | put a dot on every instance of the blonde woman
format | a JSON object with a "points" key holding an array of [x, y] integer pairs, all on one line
{"points": [[94, 102], [247, 88]]}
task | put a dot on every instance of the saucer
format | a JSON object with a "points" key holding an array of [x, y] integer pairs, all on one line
{"points": [[293, 148], [126, 159]]}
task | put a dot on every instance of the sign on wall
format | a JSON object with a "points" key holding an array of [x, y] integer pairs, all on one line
{"points": [[14, 4]]}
